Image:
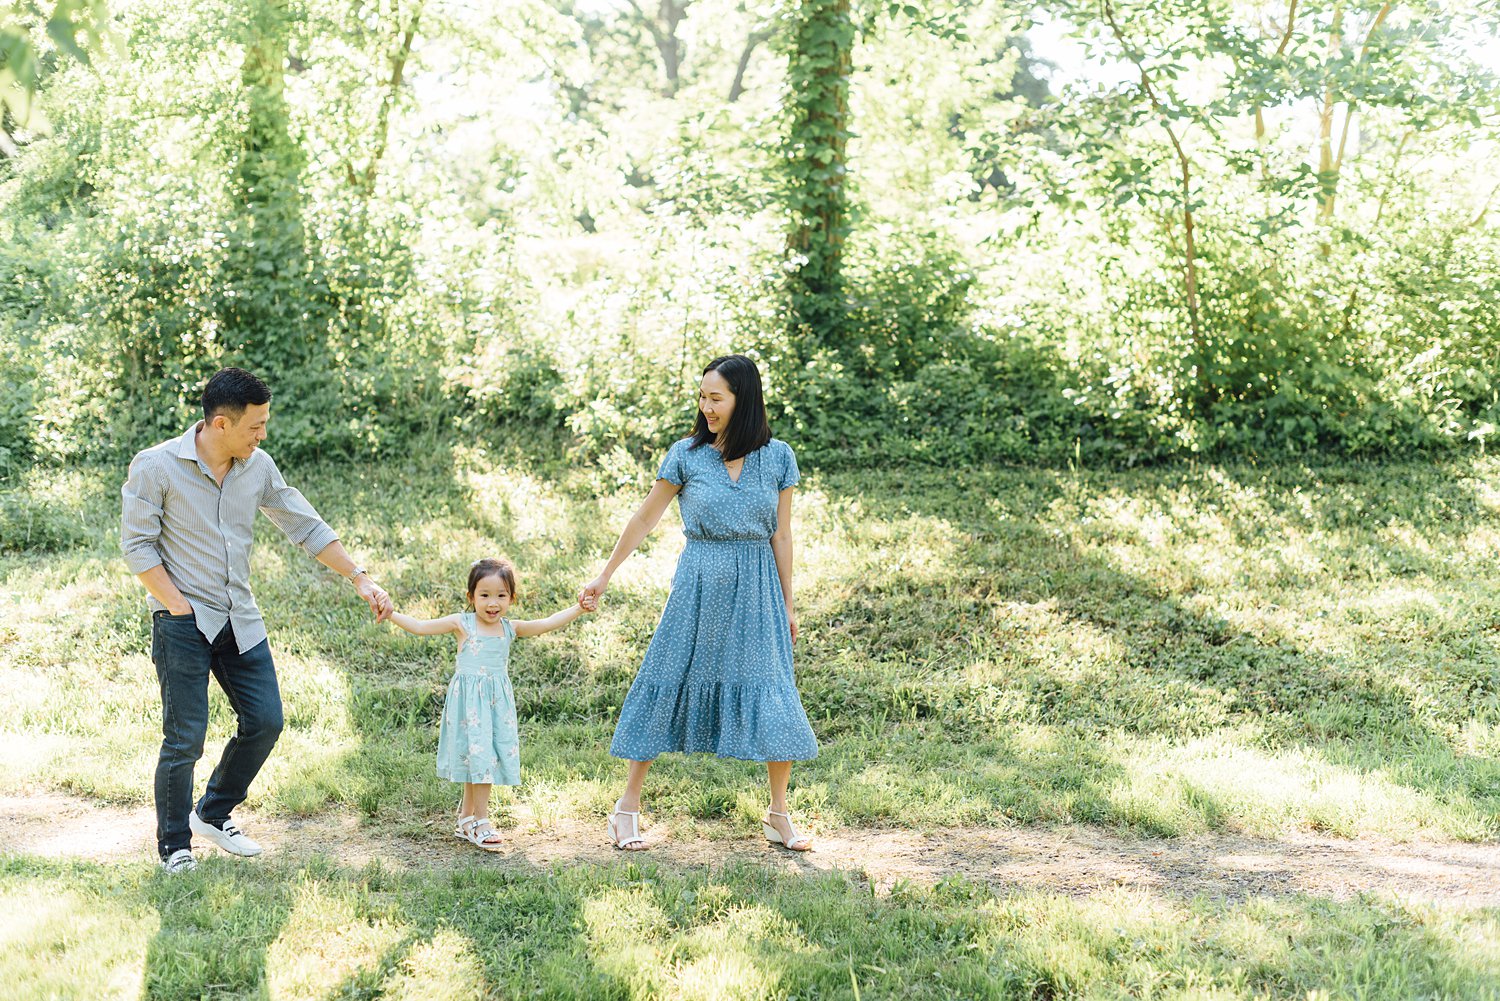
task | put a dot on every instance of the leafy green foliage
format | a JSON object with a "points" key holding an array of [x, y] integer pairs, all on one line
{"points": [[939, 248], [72, 29]]}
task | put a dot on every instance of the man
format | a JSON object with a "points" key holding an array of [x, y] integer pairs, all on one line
{"points": [[187, 524]]}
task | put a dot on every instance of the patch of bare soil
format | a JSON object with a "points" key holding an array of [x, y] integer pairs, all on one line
{"points": [[1077, 861]]}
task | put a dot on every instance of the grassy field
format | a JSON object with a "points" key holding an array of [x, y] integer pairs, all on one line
{"points": [[627, 931], [1167, 652]]}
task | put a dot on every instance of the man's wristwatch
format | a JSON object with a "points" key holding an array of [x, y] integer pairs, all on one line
{"points": [[357, 571]]}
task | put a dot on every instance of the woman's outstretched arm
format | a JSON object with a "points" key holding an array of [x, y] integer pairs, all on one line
{"points": [[636, 529]]}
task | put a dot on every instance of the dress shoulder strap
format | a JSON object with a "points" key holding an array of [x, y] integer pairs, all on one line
{"points": [[470, 628]]}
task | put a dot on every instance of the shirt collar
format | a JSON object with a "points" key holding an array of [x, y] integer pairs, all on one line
{"points": [[187, 448], [187, 445]]}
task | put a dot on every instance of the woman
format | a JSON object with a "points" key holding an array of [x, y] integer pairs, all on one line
{"points": [[717, 676]]}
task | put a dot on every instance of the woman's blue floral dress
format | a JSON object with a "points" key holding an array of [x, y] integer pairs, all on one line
{"points": [[717, 676]]}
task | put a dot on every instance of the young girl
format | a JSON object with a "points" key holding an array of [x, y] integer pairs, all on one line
{"points": [[478, 743]]}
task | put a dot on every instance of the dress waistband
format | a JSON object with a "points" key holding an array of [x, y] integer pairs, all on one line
{"points": [[727, 542]]}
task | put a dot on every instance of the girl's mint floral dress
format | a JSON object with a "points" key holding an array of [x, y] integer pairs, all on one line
{"points": [[478, 740]]}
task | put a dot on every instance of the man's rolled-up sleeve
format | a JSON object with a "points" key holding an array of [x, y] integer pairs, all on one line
{"points": [[140, 515], [291, 512]]}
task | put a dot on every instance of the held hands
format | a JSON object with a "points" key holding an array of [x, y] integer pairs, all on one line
{"points": [[589, 597], [380, 603]]}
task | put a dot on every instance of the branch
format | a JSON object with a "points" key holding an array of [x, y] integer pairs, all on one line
{"points": [[1379, 211], [1190, 262], [1291, 22], [648, 21], [752, 42], [1483, 209], [1349, 111], [1391, 181], [1260, 118], [1325, 122], [383, 117]]}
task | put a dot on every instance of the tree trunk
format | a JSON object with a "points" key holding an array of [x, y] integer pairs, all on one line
{"points": [[1260, 118], [268, 153], [266, 321], [670, 13], [820, 64], [1325, 125], [662, 27], [1331, 189]]}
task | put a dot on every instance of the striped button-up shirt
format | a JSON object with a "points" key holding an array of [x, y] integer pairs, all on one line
{"points": [[174, 514]]}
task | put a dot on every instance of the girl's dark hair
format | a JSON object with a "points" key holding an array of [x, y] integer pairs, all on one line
{"points": [[748, 428], [492, 566], [230, 390]]}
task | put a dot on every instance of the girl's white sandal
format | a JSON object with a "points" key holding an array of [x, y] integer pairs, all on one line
{"points": [[797, 842], [478, 834], [617, 835]]}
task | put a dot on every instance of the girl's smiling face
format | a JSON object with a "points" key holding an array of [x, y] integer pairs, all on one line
{"points": [[491, 599]]}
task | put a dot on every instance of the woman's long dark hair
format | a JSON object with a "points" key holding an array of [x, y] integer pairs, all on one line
{"points": [[748, 428]]}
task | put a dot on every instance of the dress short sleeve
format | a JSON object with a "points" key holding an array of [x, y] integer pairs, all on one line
{"points": [[673, 468], [789, 474]]}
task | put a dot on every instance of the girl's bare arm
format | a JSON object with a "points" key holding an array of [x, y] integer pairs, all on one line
{"points": [[427, 627], [535, 627]]}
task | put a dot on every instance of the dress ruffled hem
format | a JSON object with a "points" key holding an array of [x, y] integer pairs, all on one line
{"points": [[499, 776], [747, 722]]}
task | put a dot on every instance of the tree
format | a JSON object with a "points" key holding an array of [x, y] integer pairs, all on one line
{"points": [[820, 46]]}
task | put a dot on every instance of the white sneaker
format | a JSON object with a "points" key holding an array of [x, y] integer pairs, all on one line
{"points": [[229, 837], [179, 861]]}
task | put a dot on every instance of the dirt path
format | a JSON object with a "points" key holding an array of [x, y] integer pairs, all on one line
{"points": [[1074, 860]]}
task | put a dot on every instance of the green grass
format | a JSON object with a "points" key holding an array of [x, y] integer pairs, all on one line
{"points": [[1167, 651], [269, 929]]}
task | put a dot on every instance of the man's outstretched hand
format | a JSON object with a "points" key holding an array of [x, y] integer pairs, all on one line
{"points": [[380, 603]]}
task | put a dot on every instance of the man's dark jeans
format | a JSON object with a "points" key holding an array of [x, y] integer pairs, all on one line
{"points": [[184, 660]]}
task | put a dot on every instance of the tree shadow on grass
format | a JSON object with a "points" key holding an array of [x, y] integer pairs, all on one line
{"points": [[188, 958], [1022, 613], [313, 930]]}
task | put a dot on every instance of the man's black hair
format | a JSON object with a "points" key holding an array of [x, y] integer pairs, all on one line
{"points": [[748, 427], [230, 390]]}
